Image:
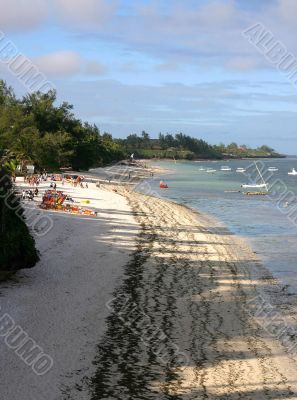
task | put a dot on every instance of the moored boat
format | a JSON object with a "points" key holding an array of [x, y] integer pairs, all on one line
{"points": [[255, 185], [272, 169], [293, 172]]}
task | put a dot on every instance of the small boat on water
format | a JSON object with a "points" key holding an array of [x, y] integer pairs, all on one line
{"points": [[226, 168], [163, 185], [211, 171], [201, 169], [255, 185], [272, 169], [240, 170], [293, 172], [262, 185]]}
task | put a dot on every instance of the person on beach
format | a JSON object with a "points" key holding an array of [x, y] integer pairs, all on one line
{"points": [[30, 195]]}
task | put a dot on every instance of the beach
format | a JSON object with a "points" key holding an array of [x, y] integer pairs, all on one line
{"points": [[60, 303], [148, 300]]}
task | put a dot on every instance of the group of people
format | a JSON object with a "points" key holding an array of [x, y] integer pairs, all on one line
{"points": [[76, 181], [35, 180], [29, 194]]}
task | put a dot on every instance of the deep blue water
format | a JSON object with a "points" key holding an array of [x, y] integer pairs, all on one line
{"points": [[264, 221]]}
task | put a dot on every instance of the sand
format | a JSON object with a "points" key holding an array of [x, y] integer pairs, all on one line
{"points": [[60, 303], [196, 289], [180, 321]]}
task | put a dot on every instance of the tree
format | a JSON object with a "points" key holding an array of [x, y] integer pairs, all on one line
{"points": [[266, 149], [49, 135]]}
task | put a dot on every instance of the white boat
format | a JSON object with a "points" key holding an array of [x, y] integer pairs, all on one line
{"points": [[201, 169], [211, 171], [272, 169], [293, 172], [240, 170], [262, 185], [255, 185], [226, 169]]}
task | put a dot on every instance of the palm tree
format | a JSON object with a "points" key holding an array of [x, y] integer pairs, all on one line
{"points": [[11, 166]]}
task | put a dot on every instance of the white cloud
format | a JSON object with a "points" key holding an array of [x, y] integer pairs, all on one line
{"points": [[84, 13], [288, 10], [60, 63], [217, 13], [22, 14], [28, 14], [68, 63]]}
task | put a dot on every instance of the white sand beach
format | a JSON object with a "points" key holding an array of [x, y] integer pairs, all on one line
{"points": [[190, 278], [60, 303]]}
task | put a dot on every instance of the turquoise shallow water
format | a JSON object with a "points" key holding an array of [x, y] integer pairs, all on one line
{"points": [[264, 221]]}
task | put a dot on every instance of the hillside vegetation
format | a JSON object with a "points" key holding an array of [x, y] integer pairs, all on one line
{"points": [[182, 146]]}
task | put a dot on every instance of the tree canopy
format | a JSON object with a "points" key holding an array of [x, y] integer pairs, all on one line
{"points": [[49, 135]]}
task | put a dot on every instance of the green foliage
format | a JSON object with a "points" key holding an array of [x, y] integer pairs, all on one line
{"points": [[49, 136], [17, 247], [179, 146]]}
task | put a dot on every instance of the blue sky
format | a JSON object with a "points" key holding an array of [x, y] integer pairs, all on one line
{"points": [[167, 66]]}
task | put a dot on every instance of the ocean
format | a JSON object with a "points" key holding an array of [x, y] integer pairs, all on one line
{"points": [[268, 223]]}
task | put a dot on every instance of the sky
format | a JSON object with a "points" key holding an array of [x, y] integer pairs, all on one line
{"points": [[191, 66]]}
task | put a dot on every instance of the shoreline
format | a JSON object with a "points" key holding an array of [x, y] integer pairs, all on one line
{"points": [[172, 265], [178, 261]]}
